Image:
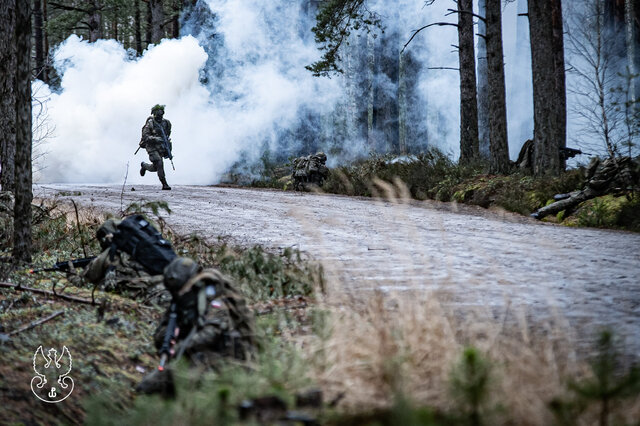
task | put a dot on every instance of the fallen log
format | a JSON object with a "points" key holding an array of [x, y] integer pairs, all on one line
{"points": [[48, 293]]}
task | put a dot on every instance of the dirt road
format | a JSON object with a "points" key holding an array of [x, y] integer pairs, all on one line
{"points": [[479, 258]]}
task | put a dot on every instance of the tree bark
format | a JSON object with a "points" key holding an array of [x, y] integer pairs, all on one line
{"points": [[559, 76], [631, 37], [483, 85], [23, 179], [38, 39], [137, 31], [499, 146], [95, 21], [7, 95], [468, 96], [45, 41], [549, 105], [157, 20], [175, 21], [149, 20], [387, 90]]}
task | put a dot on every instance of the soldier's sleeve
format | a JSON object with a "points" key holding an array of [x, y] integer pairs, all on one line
{"points": [[96, 270], [168, 128], [158, 335], [147, 131]]}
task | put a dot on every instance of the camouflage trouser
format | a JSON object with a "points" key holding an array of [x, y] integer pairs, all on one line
{"points": [[569, 203], [157, 164]]}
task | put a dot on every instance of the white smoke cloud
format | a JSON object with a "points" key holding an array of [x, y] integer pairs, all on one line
{"points": [[105, 98]]}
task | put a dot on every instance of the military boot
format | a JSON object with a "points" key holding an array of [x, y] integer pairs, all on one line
{"points": [[165, 185], [143, 169]]}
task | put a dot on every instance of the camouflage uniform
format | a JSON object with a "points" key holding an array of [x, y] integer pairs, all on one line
{"points": [[154, 131], [118, 272], [211, 326], [123, 275], [213, 322], [309, 170], [603, 177]]}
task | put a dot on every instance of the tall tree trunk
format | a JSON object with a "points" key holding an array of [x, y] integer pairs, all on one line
{"points": [[499, 145], [23, 190], [483, 85], [114, 27], [402, 104], [631, 37], [7, 95], [45, 40], [371, 90], [38, 39], [175, 21], [559, 75], [136, 27], [387, 90], [95, 21], [549, 105], [468, 97], [148, 32], [157, 20]]}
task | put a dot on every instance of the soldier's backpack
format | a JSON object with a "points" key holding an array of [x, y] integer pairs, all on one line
{"points": [[301, 165], [137, 237]]}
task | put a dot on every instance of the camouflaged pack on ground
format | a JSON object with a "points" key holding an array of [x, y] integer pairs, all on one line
{"points": [[309, 170]]}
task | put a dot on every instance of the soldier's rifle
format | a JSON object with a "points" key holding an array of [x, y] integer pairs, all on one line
{"points": [[567, 152], [169, 335], [165, 143], [63, 266]]}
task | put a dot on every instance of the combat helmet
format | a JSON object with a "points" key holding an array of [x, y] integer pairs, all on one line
{"points": [[157, 107], [105, 232], [321, 156], [178, 272]]}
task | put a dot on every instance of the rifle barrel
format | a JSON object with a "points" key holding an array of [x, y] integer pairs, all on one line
{"points": [[63, 266]]}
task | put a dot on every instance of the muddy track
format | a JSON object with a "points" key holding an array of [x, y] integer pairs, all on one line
{"points": [[478, 258]]}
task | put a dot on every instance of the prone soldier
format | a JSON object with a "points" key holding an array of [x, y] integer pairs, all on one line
{"points": [[612, 175], [115, 270]]}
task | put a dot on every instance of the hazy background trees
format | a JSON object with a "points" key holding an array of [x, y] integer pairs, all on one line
{"points": [[603, 85]]}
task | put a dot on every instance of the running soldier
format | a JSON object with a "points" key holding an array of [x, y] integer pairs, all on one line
{"points": [[155, 139]]}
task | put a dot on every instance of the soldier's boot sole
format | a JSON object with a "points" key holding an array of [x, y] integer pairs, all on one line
{"points": [[142, 169], [165, 185]]}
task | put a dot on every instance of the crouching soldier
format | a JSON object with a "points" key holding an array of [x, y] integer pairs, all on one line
{"points": [[311, 169], [114, 270], [208, 321]]}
